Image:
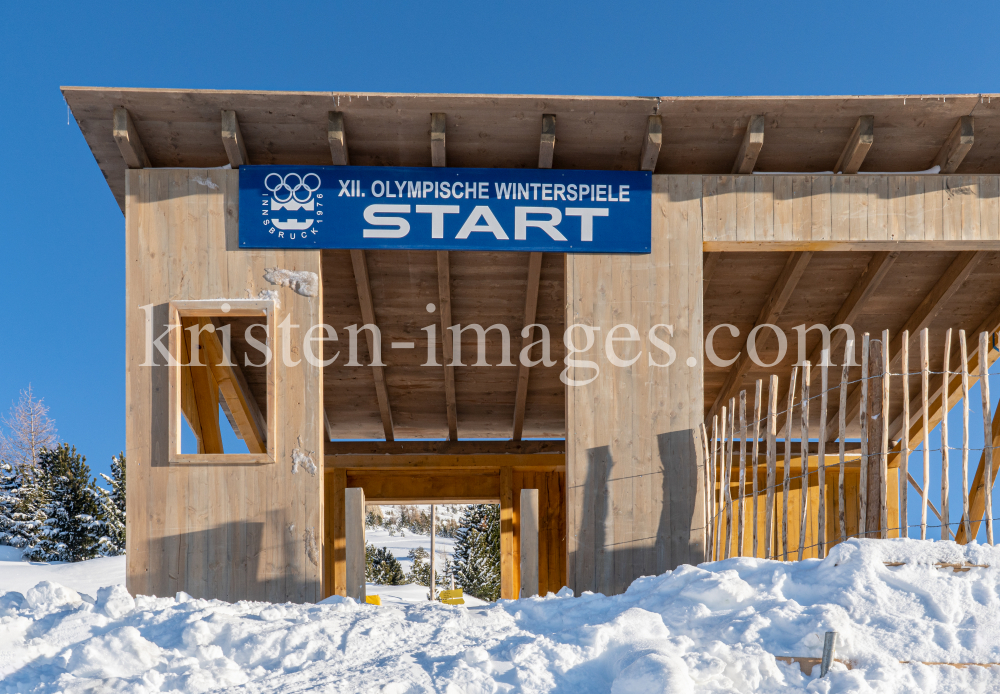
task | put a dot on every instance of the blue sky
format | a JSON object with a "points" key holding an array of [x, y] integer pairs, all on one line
{"points": [[62, 241]]}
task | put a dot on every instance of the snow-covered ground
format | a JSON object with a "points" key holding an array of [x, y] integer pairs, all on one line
{"points": [[83, 577], [715, 627]]}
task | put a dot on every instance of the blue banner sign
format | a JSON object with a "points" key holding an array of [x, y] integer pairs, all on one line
{"points": [[445, 209]]}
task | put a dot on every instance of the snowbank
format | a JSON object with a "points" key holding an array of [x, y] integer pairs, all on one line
{"points": [[83, 577], [709, 628]]}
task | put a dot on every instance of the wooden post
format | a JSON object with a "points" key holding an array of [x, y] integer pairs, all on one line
{"points": [[354, 508], [865, 439], [786, 481], [883, 451], [712, 499], [945, 408], [984, 385], [842, 416], [876, 432], [824, 366], [728, 481], [507, 533], [339, 543], [904, 472], [925, 371], [756, 451], [707, 456], [964, 352], [772, 432], [529, 542], [741, 520], [804, 459], [433, 593]]}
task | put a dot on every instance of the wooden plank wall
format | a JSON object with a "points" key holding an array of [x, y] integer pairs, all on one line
{"points": [[633, 459], [866, 211], [227, 531]]}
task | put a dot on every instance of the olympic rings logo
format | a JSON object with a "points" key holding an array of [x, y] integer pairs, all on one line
{"points": [[291, 186]]}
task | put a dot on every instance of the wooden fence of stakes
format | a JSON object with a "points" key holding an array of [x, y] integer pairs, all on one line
{"points": [[735, 450]]}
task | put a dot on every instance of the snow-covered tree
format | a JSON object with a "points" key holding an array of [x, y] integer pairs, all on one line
{"points": [[476, 565], [21, 501], [28, 431], [112, 527], [385, 569], [71, 506]]}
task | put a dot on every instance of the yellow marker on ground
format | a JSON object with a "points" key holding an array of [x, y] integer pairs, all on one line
{"points": [[452, 597], [373, 600]]}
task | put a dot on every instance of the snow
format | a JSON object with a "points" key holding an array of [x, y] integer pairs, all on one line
{"points": [[83, 577], [714, 627]]}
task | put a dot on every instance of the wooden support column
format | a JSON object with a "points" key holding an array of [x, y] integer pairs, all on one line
{"points": [[634, 463], [507, 567], [857, 146], [753, 140], [336, 541], [958, 144], [528, 540], [354, 516], [232, 140]]}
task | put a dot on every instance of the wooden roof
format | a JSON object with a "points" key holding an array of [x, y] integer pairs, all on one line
{"points": [[182, 128]]}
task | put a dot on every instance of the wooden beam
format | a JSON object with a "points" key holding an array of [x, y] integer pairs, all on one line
{"points": [[769, 312], [523, 371], [128, 140], [250, 422], [206, 393], [507, 566], [977, 495], [550, 462], [547, 147], [444, 300], [945, 288], [383, 487], [753, 140], [958, 144], [189, 404], [709, 266], [445, 447], [651, 143], [336, 137], [368, 315], [857, 146], [232, 140], [336, 546], [438, 122]]}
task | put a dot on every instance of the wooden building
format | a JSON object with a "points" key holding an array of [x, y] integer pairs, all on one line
{"points": [[620, 463]]}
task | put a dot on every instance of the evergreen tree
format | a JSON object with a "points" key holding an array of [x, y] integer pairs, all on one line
{"points": [[21, 502], [420, 570], [71, 507], [385, 569], [476, 565], [112, 527]]}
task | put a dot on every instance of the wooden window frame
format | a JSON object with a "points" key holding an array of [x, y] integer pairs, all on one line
{"points": [[238, 308]]}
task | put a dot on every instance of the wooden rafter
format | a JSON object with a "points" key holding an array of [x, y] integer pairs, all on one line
{"points": [[232, 140], [945, 288], [958, 144], [445, 447], [250, 422], [549, 462], [769, 312], [753, 140], [204, 393], [857, 146], [444, 301], [651, 143], [438, 122], [360, 264], [548, 142], [709, 266], [128, 140], [336, 137], [523, 371]]}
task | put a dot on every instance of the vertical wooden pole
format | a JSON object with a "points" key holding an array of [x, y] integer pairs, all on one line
{"points": [[865, 443], [432, 594], [339, 548], [877, 436], [786, 481], [507, 533], [741, 506], [804, 459], [728, 482], [984, 386], [772, 432], [707, 488], [713, 499], [528, 518], [925, 377], [756, 451], [842, 417], [904, 473], [883, 451], [963, 348], [945, 407], [821, 454], [354, 511], [723, 486]]}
